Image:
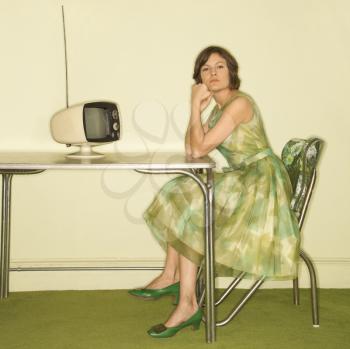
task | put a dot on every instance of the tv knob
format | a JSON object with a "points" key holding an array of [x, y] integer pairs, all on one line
{"points": [[114, 114], [116, 126]]}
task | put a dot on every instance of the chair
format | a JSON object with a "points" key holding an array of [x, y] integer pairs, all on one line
{"points": [[300, 158]]}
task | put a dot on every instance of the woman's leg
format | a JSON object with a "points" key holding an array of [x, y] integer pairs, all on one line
{"points": [[170, 274], [188, 302]]}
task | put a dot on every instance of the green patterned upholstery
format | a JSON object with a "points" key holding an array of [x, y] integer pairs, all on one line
{"points": [[300, 158]]}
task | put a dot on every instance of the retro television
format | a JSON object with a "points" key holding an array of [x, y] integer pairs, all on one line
{"points": [[86, 125]]}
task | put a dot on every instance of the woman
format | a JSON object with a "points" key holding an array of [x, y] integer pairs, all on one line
{"points": [[255, 230]]}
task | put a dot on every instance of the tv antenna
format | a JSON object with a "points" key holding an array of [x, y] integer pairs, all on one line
{"points": [[65, 54]]}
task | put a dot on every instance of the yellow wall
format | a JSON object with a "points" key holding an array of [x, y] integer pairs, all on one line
{"points": [[294, 58]]}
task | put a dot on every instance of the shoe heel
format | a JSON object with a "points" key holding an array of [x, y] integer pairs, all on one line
{"points": [[196, 326], [176, 299]]}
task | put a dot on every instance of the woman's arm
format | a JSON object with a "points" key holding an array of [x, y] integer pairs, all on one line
{"points": [[188, 149], [239, 110], [200, 99]]}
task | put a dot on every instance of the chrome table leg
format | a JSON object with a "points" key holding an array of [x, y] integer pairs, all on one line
{"points": [[6, 227], [209, 260], [5, 234]]}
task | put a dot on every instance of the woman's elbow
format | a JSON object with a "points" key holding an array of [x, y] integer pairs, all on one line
{"points": [[198, 153]]}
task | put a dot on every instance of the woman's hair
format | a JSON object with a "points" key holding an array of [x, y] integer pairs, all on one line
{"points": [[231, 62]]}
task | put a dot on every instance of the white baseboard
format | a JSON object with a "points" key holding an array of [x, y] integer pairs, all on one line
{"points": [[331, 273]]}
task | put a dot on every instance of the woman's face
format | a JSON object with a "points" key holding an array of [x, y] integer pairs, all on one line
{"points": [[215, 74]]}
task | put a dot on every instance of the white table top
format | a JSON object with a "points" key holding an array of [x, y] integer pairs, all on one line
{"points": [[127, 161]]}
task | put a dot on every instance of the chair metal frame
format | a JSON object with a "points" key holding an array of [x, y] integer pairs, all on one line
{"points": [[260, 281]]}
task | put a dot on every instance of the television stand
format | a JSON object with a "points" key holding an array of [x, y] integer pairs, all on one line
{"points": [[85, 152]]}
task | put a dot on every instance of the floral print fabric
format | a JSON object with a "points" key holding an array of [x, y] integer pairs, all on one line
{"points": [[255, 229]]}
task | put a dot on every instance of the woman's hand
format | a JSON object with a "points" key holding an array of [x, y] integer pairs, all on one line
{"points": [[200, 97]]}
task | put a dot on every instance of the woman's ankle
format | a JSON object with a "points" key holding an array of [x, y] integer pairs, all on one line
{"points": [[170, 277], [161, 281], [189, 303], [182, 313]]}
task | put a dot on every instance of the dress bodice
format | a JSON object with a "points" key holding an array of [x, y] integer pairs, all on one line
{"points": [[246, 140]]}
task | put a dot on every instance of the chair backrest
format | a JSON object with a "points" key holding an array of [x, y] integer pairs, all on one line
{"points": [[300, 157]]}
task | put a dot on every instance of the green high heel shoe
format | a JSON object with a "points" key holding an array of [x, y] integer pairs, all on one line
{"points": [[161, 331], [148, 293]]}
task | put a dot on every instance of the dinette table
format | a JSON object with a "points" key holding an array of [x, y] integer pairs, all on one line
{"points": [[200, 170]]}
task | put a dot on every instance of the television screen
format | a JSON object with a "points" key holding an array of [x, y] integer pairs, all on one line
{"points": [[101, 122], [97, 124]]}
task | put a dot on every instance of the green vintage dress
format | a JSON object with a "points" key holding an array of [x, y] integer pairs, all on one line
{"points": [[255, 229]]}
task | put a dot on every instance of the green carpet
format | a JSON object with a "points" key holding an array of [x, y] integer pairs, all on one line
{"points": [[113, 319]]}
